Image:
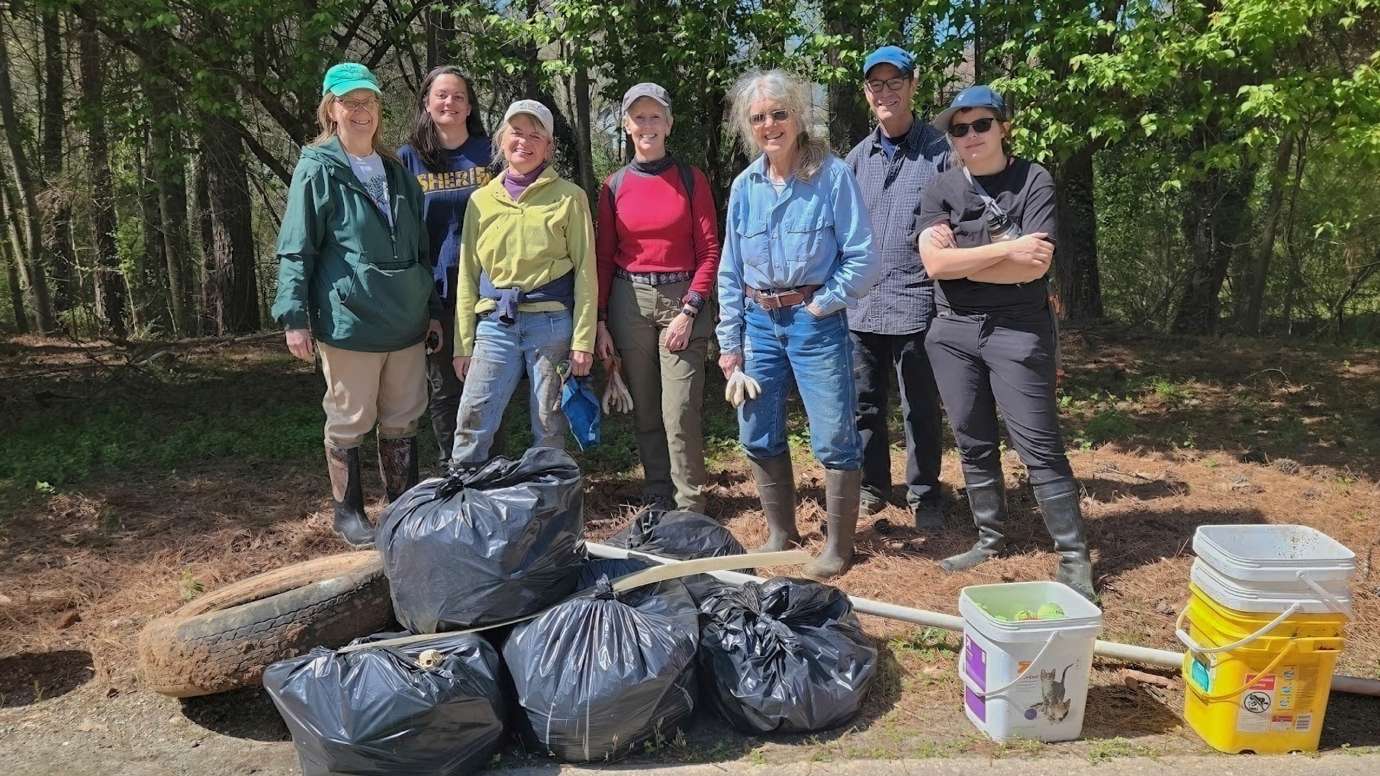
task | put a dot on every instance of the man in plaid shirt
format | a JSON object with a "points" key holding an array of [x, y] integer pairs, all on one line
{"points": [[893, 164]]}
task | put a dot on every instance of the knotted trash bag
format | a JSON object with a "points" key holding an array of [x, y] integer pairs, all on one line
{"points": [[484, 545], [613, 568], [599, 675], [785, 655], [434, 708], [681, 535]]}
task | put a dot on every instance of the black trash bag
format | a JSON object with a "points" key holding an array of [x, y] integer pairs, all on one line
{"points": [[599, 675], [485, 545], [613, 568], [681, 535], [377, 712], [786, 655]]}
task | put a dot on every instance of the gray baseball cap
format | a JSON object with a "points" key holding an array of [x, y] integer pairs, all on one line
{"points": [[645, 90], [534, 109]]}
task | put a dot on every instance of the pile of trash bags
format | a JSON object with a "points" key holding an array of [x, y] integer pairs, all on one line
{"points": [[589, 672]]}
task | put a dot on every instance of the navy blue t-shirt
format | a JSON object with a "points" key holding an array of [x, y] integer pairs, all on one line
{"points": [[445, 195]]}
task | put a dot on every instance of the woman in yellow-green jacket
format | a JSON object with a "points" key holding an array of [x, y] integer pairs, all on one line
{"points": [[527, 289]]}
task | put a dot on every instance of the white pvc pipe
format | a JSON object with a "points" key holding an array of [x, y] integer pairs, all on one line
{"points": [[1130, 653]]}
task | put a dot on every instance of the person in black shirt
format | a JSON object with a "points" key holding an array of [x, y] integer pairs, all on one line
{"points": [[992, 344]]}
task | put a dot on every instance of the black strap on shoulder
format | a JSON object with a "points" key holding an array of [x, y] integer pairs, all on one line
{"points": [[687, 179]]}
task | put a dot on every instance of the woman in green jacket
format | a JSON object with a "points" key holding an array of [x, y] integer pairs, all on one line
{"points": [[354, 286]]}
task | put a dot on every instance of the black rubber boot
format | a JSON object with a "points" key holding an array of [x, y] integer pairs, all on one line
{"points": [[350, 521], [841, 495], [776, 487], [1058, 502], [929, 516], [397, 466], [987, 499]]}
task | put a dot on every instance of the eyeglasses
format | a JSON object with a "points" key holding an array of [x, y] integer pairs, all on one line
{"points": [[980, 126], [358, 105], [894, 84], [777, 116]]}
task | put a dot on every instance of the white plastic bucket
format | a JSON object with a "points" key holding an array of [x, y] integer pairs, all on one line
{"points": [[1026, 679], [1268, 597], [1267, 568]]}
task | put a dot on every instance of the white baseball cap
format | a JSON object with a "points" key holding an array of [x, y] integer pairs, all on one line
{"points": [[534, 109]]}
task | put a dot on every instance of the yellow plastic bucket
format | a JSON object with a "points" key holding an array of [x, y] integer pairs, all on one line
{"points": [[1257, 682]]}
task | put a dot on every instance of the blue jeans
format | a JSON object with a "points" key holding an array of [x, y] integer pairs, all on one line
{"points": [[534, 344], [789, 347]]}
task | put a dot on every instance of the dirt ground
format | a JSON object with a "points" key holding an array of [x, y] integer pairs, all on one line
{"points": [[1165, 435]]}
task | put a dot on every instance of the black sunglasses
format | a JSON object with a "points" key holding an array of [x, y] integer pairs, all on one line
{"points": [[777, 116], [980, 126]]}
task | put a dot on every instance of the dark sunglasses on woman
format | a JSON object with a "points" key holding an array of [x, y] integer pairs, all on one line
{"points": [[980, 126]]}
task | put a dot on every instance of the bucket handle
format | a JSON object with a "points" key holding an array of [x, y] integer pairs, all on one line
{"points": [[984, 694], [1323, 593], [1269, 669], [1197, 648]]}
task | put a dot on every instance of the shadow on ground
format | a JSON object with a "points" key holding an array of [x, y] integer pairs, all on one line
{"points": [[30, 677]]}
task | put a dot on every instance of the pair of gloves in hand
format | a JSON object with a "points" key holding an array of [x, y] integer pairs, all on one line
{"points": [[741, 388]]}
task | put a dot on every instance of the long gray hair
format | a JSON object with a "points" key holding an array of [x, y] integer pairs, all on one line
{"points": [[793, 94]]}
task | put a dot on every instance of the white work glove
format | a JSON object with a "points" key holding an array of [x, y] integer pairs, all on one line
{"points": [[741, 388], [616, 396]]}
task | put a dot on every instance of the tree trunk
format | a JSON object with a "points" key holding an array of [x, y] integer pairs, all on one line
{"points": [[110, 291], [57, 212], [169, 170], [150, 288], [849, 118], [10, 255], [1291, 248], [1216, 211], [582, 135], [1259, 272], [1077, 282], [36, 283], [208, 300], [233, 297]]}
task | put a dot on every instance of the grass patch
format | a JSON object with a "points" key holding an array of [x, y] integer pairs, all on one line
{"points": [[1108, 749]]}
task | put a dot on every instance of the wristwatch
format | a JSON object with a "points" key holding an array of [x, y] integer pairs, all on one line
{"points": [[689, 310], [691, 303]]}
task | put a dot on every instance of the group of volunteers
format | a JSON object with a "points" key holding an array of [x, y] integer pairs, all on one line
{"points": [[464, 263]]}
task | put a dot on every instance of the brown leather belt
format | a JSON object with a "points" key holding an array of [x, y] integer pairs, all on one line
{"points": [[775, 300]]}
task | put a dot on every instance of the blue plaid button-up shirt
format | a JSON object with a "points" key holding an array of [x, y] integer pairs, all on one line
{"points": [[902, 302]]}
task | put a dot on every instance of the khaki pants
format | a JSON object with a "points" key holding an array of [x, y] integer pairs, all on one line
{"points": [[667, 388], [368, 389]]}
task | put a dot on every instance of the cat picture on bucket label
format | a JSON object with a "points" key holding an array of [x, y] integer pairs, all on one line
{"points": [[1053, 703]]}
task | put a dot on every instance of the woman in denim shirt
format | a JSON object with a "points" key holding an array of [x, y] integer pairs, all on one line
{"points": [[797, 248]]}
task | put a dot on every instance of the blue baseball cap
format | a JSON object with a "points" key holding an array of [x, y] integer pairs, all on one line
{"points": [[890, 55], [980, 96], [346, 77]]}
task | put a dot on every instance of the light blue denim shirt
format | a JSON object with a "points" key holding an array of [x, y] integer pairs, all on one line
{"points": [[815, 233]]}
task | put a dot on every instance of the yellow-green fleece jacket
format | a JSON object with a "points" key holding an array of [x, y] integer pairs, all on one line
{"points": [[526, 244]]}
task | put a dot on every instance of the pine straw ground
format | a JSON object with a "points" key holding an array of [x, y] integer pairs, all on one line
{"points": [[106, 523]]}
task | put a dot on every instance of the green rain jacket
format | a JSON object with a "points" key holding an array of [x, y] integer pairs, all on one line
{"points": [[343, 272]]}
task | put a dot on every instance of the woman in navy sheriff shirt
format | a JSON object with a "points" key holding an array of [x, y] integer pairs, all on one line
{"points": [[449, 152]]}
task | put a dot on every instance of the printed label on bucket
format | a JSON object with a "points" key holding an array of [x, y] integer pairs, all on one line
{"points": [[976, 668], [1271, 700]]}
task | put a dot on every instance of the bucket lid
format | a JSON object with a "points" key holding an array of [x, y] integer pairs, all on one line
{"points": [[1080, 613], [1273, 553], [1264, 597]]}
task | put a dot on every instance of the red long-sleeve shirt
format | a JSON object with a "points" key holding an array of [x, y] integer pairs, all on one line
{"points": [[655, 229]]}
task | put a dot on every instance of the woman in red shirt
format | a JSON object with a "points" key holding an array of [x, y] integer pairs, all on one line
{"points": [[658, 251]]}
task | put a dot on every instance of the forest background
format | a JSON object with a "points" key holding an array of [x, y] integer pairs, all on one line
{"points": [[1217, 161]]}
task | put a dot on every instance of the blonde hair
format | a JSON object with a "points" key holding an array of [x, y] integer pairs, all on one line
{"points": [[328, 127], [793, 94], [501, 137]]}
